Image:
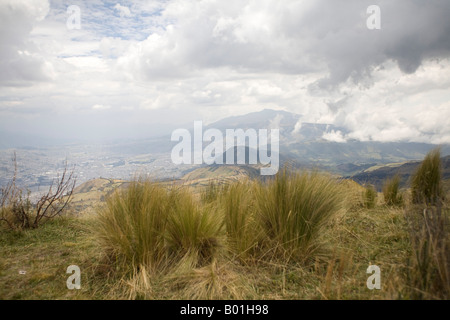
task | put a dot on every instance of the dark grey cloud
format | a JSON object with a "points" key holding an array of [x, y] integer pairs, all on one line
{"points": [[411, 32], [297, 37]]}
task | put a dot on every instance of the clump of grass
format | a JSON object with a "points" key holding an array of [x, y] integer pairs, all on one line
{"points": [[243, 231], [213, 281], [192, 229], [391, 192], [429, 265], [353, 197], [148, 231], [426, 185], [138, 286], [131, 227], [293, 209], [211, 192], [370, 197]]}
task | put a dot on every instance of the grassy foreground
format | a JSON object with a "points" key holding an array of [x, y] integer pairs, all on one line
{"points": [[302, 236]]}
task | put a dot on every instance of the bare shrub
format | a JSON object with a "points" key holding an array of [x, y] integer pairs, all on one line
{"points": [[17, 211]]}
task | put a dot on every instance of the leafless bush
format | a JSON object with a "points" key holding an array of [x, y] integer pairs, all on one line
{"points": [[17, 211]]}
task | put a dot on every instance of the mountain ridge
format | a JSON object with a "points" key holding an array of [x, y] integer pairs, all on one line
{"points": [[378, 176]]}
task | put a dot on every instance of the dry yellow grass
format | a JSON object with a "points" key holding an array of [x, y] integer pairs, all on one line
{"points": [[351, 239]]}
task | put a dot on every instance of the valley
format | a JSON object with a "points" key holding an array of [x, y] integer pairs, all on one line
{"points": [[300, 146]]}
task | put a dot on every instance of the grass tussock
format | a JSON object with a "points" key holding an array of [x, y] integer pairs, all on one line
{"points": [[212, 191], [131, 227], [293, 210], [391, 192], [280, 219], [242, 228], [370, 197], [428, 224], [426, 183], [150, 231], [353, 195], [166, 234], [149, 225], [192, 229], [212, 281], [429, 264]]}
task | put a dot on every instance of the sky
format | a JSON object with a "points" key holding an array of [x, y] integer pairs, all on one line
{"points": [[133, 69]]}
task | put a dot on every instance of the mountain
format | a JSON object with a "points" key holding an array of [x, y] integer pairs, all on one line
{"points": [[286, 122], [259, 120], [304, 143], [334, 155], [236, 151]]}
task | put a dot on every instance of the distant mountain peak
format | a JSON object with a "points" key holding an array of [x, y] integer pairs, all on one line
{"points": [[258, 120]]}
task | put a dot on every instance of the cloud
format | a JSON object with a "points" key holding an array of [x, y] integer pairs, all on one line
{"points": [[297, 127], [173, 62], [294, 38], [334, 136], [100, 107], [123, 10], [411, 33], [275, 122], [20, 62], [399, 107]]}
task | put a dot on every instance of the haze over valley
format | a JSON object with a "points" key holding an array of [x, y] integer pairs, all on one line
{"points": [[301, 146]]}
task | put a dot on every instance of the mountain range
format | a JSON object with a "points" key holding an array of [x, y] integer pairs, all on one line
{"points": [[304, 144]]}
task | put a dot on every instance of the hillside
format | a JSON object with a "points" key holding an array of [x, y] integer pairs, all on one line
{"points": [[91, 193], [221, 172], [376, 175]]}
